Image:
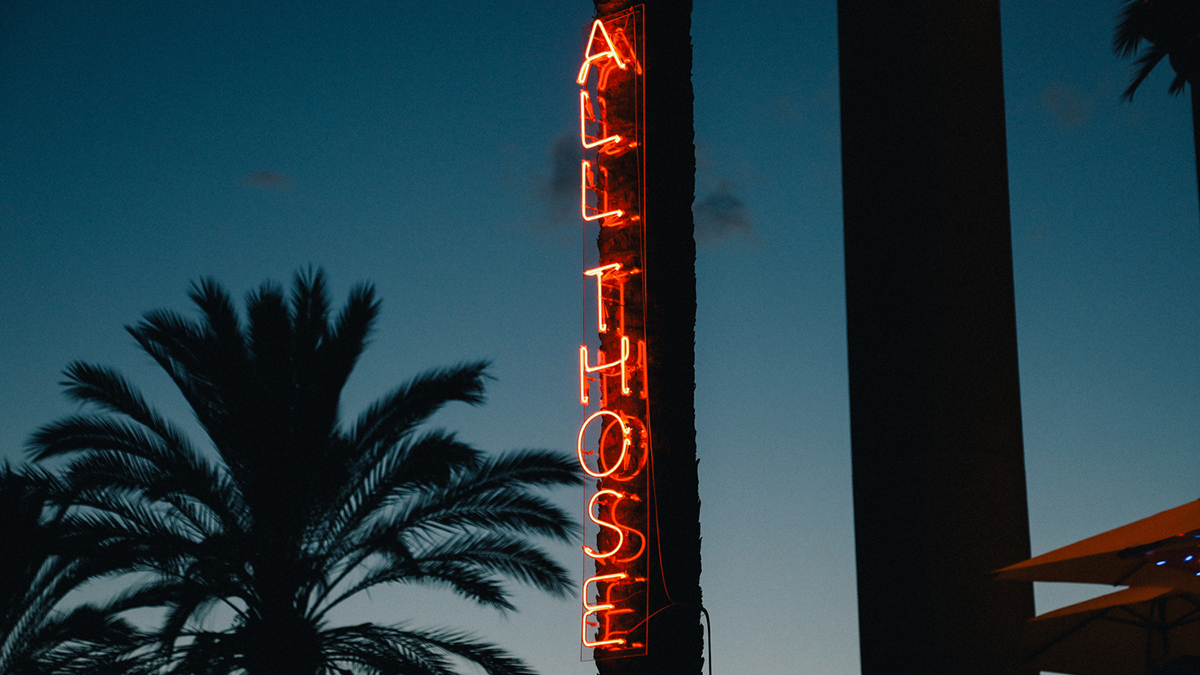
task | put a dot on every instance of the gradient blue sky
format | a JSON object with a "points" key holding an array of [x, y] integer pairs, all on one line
{"points": [[145, 144]]}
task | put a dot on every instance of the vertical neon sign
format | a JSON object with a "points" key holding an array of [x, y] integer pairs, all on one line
{"points": [[613, 443]]}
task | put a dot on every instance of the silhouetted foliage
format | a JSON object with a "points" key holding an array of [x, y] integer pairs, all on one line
{"points": [[1171, 30], [294, 513], [37, 570], [32, 579]]}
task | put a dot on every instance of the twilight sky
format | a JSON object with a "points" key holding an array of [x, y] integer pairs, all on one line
{"points": [[146, 144]]}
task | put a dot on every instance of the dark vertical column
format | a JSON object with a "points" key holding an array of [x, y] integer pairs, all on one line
{"points": [[1196, 130], [675, 634], [935, 410]]}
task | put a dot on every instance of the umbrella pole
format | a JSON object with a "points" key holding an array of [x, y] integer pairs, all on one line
{"points": [[1157, 626], [1164, 630], [1155, 606]]}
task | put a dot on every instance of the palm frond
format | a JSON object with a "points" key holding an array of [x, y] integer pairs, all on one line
{"points": [[181, 339], [1131, 28], [203, 521], [540, 468], [393, 416], [460, 576], [125, 518], [199, 393], [97, 433], [269, 331], [429, 461], [349, 334], [124, 454], [411, 643], [105, 388], [421, 652], [494, 661], [493, 496], [1177, 84], [368, 649], [22, 630], [176, 344], [501, 556], [310, 310], [154, 592], [220, 315], [89, 623], [473, 564], [121, 470], [188, 602], [208, 653], [104, 481], [1145, 64], [203, 360], [116, 653]]}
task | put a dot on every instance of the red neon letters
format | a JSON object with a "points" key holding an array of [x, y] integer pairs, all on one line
{"points": [[613, 444], [606, 51], [598, 272]]}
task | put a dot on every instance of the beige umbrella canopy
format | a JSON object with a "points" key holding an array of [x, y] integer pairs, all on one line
{"points": [[1140, 630], [1162, 550]]}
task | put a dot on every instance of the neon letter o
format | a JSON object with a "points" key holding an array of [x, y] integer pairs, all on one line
{"points": [[625, 443]]}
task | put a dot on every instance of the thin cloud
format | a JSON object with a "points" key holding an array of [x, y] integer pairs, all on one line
{"points": [[720, 215], [558, 191], [1066, 104], [268, 180]]}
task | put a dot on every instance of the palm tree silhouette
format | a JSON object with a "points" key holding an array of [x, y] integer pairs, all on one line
{"points": [[291, 513], [37, 570], [1171, 28]]}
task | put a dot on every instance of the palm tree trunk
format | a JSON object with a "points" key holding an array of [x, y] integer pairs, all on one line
{"points": [[935, 408], [675, 634], [1196, 132]]}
